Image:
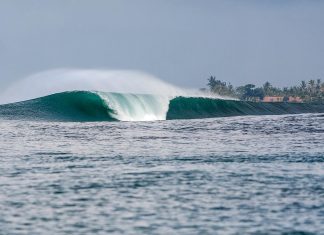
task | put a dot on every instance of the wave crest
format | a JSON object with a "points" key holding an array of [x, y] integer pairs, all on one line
{"points": [[107, 106]]}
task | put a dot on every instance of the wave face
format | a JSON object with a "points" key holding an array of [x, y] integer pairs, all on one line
{"points": [[104, 106], [66, 106], [200, 107]]}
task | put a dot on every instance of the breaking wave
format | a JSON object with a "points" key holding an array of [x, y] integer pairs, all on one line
{"points": [[76, 95], [111, 106]]}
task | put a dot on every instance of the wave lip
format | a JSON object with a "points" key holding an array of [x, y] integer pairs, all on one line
{"points": [[109, 106]]}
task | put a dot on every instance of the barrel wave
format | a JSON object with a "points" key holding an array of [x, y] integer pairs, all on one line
{"points": [[82, 106]]}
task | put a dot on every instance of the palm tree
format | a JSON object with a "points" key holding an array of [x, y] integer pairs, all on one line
{"points": [[303, 86], [318, 86], [311, 84], [267, 88], [211, 82]]}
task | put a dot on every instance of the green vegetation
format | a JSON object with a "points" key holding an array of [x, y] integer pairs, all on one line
{"points": [[311, 91]]}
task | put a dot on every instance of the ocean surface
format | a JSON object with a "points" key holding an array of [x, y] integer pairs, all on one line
{"points": [[225, 175]]}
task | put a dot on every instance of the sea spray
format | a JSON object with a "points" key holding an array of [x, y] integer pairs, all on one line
{"points": [[62, 80], [117, 95], [118, 89]]}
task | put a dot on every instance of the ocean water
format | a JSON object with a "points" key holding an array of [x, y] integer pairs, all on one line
{"points": [[225, 175]]}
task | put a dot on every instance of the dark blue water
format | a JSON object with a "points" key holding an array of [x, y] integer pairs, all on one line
{"points": [[234, 175]]}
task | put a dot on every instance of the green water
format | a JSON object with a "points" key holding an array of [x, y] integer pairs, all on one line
{"points": [[92, 106]]}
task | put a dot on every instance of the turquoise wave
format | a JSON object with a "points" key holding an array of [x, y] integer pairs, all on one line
{"points": [[199, 107], [66, 106], [100, 106]]}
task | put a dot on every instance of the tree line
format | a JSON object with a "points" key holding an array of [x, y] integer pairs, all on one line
{"points": [[308, 91]]}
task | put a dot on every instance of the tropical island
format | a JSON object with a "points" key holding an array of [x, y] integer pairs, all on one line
{"points": [[311, 91]]}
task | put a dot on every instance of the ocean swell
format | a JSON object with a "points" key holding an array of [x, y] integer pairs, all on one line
{"points": [[109, 106], [202, 107]]}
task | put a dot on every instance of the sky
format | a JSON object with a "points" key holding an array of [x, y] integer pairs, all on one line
{"points": [[179, 41]]}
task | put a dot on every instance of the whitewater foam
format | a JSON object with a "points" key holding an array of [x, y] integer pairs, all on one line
{"points": [[133, 107]]}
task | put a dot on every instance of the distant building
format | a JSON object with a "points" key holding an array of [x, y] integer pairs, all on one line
{"points": [[296, 99], [273, 99], [255, 99]]}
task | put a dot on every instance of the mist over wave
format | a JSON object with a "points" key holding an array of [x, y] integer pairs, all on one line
{"points": [[61, 80], [117, 95], [127, 95]]}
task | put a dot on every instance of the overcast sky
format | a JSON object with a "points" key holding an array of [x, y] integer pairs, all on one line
{"points": [[179, 41]]}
